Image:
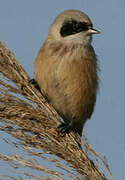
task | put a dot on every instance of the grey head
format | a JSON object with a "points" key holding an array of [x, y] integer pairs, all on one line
{"points": [[72, 26]]}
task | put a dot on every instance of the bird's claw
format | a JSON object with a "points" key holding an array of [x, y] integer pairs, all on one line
{"points": [[64, 128], [35, 84]]}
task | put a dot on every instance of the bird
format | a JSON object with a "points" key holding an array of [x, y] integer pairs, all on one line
{"points": [[66, 69]]}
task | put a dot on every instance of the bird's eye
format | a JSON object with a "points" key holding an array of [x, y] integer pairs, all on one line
{"points": [[72, 27]]}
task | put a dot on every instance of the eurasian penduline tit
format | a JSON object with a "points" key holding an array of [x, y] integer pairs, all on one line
{"points": [[66, 69]]}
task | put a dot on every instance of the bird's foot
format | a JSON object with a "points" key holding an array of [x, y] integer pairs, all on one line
{"points": [[65, 128], [35, 84]]}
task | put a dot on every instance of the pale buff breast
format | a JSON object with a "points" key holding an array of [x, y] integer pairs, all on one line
{"points": [[71, 82]]}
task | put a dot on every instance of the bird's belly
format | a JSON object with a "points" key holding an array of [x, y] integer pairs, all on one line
{"points": [[74, 100], [71, 88]]}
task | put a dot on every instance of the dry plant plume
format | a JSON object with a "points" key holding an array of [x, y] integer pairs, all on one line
{"points": [[26, 115]]}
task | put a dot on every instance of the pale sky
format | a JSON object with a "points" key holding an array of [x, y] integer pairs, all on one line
{"points": [[23, 28]]}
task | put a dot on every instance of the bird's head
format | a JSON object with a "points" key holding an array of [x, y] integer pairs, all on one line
{"points": [[72, 26]]}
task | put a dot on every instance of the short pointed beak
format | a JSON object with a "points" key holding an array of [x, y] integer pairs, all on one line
{"points": [[93, 31]]}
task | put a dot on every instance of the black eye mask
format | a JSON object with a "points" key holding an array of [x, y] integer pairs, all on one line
{"points": [[72, 27]]}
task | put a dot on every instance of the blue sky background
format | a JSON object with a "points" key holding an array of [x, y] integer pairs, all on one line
{"points": [[23, 28]]}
